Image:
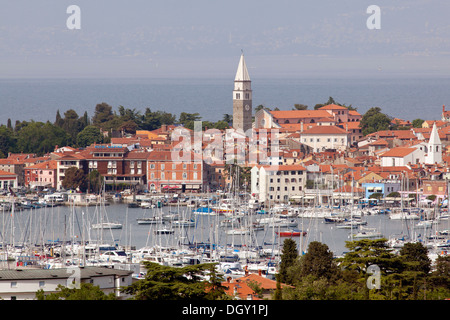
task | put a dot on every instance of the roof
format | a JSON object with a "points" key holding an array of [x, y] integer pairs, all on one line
{"points": [[288, 167], [398, 152], [62, 273], [333, 107], [49, 165], [300, 114], [325, 130], [242, 72], [5, 173]]}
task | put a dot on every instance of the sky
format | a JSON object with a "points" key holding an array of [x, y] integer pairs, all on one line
{"points": [[204, 38]]}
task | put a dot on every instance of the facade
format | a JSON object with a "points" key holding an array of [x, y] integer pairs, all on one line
{"points": [[321, 138], [42, 175], [118, 164], [278, 183], [242, 98], [384, 188], [65, 162], [8, 180], [22, 284], [402, 156], [434, 148], [13, 166], [164, 174]]}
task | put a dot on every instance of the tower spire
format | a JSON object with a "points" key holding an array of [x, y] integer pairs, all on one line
{"points": [[242, 72]]}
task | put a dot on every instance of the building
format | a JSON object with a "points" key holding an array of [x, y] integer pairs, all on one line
{"points": [[321, 138], [117, 164], [8, 180], [66, 161], [165, 174], [402, 156], [14, 166], [22, 284], [242, 98], [43, 175], [434, 147], [278, 183]]}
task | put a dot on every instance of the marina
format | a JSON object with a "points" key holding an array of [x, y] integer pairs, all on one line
{"points": [[177, 235]]}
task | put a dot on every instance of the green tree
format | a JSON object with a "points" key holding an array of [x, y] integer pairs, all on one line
{"points": [[318, 261], [39, 137], [95, 181], [374, 120], [289, 258], [7, 141], [173, 283], [417, 123], [415, 256], [87, 291], [89, 135], [103, 115], [74, 178], [299, 106]]}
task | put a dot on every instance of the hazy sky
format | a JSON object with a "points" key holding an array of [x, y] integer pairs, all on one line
{"points": [[283, 38]]}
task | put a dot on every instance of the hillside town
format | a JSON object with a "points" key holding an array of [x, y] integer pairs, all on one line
{"points": [[283, 156], [266, 170]]}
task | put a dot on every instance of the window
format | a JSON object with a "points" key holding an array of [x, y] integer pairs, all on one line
{"points": [[174, 166], [162, 166], [162, 175], [184, 166], [41, 284], [174, 176], [238, 95], [195, 176], [13, 284], [184, 175]]}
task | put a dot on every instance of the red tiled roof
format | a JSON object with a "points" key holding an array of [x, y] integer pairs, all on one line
{"points": [[325, 130], [398, 152]]}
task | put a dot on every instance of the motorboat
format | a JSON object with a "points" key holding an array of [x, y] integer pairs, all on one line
{"points": [[107, 225]]}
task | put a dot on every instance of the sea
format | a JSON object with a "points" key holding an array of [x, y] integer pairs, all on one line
{"points": [[405, 97]]}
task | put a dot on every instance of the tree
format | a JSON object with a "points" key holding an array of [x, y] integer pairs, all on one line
{"points": [[318, 261], [102, 115], [174, 283], [299, 106], [87, 291], [89, 135], [95, 181], [39, 137], [374, 120], [417, 123], [7, 141], [228, 118], [289, 258], [74, 178], [415, 256]]}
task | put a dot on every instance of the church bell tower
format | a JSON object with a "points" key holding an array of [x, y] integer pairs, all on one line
{"points": [[242, 98]]}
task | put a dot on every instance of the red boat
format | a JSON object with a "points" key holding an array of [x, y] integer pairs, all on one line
{"points": [[292, 233]]}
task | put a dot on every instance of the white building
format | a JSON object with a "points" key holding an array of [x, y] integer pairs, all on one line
{"points": [[22, 284], [434, 147], [320, 138], [402, 156], [278, 183]]}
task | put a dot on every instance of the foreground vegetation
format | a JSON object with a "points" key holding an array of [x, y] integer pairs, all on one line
{"points": [[316, 275]]}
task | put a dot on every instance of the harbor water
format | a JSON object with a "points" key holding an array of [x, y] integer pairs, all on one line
{"points": [[47, 225]]}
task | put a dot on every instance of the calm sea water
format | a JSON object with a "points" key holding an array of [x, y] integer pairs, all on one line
{"points": [[39, 99]]}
